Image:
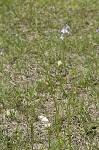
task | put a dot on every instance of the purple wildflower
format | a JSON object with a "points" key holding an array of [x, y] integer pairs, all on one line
{"points": [[97, 30], [65, 30], [52, 7], [1, 53]]}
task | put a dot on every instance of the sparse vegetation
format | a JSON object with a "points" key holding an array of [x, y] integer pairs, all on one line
{"points": [[49, 66]]}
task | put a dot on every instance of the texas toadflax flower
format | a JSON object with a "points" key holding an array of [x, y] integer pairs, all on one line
{"points": [[52, 7], [62, 37], [97, 30], [65, 30]]}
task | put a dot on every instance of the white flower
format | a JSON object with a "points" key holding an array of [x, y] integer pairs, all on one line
{"points": [[62, 37]]}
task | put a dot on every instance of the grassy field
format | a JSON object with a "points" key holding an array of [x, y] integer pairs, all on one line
{"points": [[49, 75]]}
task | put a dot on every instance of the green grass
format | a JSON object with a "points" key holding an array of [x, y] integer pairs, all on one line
{"points": [[33, 83]]}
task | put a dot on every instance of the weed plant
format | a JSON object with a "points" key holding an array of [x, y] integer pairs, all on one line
{"points": [[49, 66]]}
